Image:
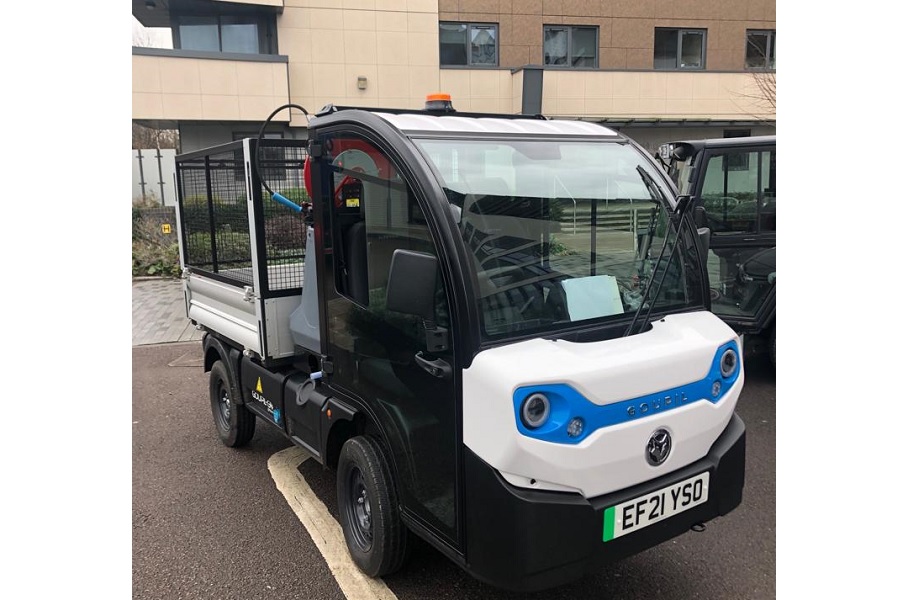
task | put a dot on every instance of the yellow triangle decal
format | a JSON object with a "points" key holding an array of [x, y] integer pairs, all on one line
{"points": [[259, 385]]}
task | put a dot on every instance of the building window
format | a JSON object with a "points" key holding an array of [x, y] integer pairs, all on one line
{"points": [[573, 47], [760, 49], [468, 44], [242, 34], [679, 49]]}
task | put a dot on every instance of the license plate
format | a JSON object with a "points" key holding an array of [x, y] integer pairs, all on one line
{"points": [[654, 507]]}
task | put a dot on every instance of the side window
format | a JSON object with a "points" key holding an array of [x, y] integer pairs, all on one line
{"points": [[375, 213], [729, 192], [767, 182]]}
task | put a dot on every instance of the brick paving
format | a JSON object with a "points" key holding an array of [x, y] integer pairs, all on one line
{"points": [[157, 313]]}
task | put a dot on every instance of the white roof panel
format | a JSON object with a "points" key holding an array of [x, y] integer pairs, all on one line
{"points": [[478, 125]]}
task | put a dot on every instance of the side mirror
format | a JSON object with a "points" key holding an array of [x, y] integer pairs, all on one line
{"points": [[703, 234], [410, 284]]}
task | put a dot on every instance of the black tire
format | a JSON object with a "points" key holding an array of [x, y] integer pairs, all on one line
{"points": [[369, 509], [234, 423]]}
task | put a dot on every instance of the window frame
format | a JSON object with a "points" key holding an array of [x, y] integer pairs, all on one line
{"points": [[266, 30], [569, 33], [678, 48], [769, 51], [469, 64]]}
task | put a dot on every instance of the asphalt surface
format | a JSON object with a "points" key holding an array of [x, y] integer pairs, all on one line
{"points": [[208, 521]]}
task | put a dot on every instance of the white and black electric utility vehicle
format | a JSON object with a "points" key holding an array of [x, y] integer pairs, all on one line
{"points": [[732, 181], [495, 329]]}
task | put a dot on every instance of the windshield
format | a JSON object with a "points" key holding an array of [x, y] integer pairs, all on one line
{"points": [[562, 231]]}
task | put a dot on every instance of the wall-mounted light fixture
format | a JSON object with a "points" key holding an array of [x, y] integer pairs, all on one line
{"points": [[362, 82]]}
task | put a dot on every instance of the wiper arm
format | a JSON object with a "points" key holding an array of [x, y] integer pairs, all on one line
{"points": [[682, 203]]}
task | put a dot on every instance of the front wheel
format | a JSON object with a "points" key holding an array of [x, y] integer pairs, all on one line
{"points": [[234, 423], [369, 509]]}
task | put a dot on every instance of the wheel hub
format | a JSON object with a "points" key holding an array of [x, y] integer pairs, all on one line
{"points": [[360, 509], [225, 404]]}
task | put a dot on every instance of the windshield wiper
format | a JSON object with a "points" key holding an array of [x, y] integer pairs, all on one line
{"points": [[681, 206]]}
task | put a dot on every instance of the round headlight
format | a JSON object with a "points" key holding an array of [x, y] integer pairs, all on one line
{"points": [[535, 410], [728, 363]]}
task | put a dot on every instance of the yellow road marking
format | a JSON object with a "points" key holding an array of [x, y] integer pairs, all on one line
{"points": [[325, 531]]}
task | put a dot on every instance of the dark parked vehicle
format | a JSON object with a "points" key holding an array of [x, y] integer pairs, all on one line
{"points": [[733, 180]]}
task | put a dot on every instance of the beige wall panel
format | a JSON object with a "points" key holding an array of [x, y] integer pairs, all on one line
{"points": [[448, 5], [222, 108], [652, 85], [302, 80], [145, 75], [705, 87], [390, 21], [423, 81], [254, 79], [279, 80], [484, 83], [391, 5], [370, 72], [256, 108], [573, 107], [296, 44], [360, 47], [624, 106], [598, 106], [490, 105], [677, 106], [625, 85], [359, 20], [426, 6], [327, 46], [423, 49], [294, 18], [570, 84], [392, 48], [180, 76], [456, 83], [652, 106], [422, 23], [359, 4], [183, 106], [598, 85], [326, 18], [218, 77], [393, 81], [146, 106], [704, 106], [328, 82]]}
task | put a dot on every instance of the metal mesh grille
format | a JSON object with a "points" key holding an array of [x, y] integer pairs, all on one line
{"points": [[284, 230], [214, 215]]}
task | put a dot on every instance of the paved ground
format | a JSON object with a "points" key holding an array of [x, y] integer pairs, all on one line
{"points": [[158, 313]]}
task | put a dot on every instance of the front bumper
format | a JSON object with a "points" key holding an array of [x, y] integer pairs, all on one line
{"points": [[527, 540]]}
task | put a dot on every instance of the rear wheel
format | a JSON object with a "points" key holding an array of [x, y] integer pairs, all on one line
{"points": [[234, 423], [369, 509]]}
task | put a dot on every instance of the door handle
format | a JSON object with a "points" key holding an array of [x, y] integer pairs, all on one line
{"points": [[437, 367]]}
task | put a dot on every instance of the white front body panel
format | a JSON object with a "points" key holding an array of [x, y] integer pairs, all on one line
{"points": [[677, 351]]}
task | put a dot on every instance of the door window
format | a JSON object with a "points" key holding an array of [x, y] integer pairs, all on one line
{"points": [[373, 213]]}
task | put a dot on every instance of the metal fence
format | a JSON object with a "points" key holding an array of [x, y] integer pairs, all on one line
{"points": [[153, 176]]}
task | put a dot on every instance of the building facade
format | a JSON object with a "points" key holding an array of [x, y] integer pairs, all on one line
{"points": [[656, 70]]}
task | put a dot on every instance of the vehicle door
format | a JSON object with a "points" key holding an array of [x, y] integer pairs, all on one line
{"points": [[737, 191], [370, 211]]}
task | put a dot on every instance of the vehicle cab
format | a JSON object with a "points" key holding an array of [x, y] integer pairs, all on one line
{"points": [[522, 315]]}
